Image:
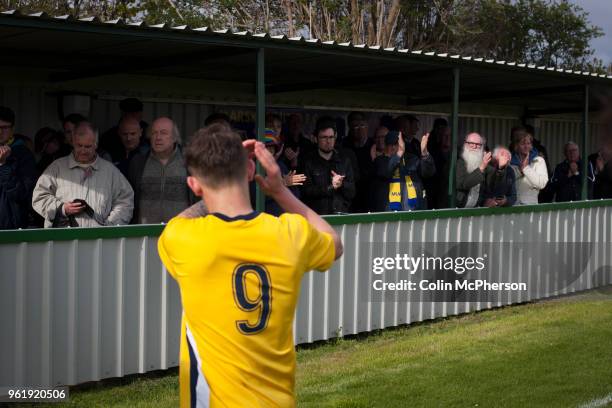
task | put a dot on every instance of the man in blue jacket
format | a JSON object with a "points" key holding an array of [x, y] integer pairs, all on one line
{"points": [[17, 175]]}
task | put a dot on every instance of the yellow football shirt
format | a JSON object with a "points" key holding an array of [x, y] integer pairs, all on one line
{"points": [[239, 280]]}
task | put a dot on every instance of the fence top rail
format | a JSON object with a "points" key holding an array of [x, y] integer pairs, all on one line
{"points": [[131, 231]]}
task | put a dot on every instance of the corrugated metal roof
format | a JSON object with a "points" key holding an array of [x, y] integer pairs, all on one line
{"points": [[230, 35]]}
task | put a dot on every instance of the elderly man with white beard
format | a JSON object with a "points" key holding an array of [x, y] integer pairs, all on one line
{"points": [[471, 171]]}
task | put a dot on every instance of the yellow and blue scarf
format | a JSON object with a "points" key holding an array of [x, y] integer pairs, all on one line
{"points": [[395, 192]]}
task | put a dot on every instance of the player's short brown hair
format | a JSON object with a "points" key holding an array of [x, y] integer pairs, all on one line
{"points": [[215, 155]]}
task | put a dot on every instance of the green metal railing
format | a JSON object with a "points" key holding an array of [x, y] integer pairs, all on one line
{"points": [[129, 231]]}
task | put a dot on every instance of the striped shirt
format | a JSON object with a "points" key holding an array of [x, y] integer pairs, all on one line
{"points": [[100, 184]]}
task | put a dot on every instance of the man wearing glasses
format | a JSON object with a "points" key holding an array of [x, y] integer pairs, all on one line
{"points": [[471, 169], [329, 187], [17, 175]]}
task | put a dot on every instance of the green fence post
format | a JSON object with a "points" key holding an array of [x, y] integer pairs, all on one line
{"points": [[583, 148], [454, 140], [260, 200]]}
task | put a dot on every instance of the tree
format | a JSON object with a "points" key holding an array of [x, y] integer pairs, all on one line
{"points": [[104, 10], [543, 32]]}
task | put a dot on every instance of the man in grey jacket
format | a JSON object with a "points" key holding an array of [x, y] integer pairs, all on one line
{"points": [[83, 189], [159, 177]]}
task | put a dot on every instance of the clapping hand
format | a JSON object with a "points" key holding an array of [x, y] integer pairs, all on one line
{"points": [[373, 152], [424, 141], [401, 145], [524, 162], [5, 152], [485, 161], [600, 162], [337, 180], [573, 169], [292, 179]]}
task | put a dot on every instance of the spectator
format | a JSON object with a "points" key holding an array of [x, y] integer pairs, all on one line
{"points": [[500, 188], [384, 166], [329, 186], [83, 189], [406, 186], [566, 182], [537, 144], [131, 108], [471, 170], [130, 134], [218, 117], [290, 178], [159, 176], [602, 166], [69, 123], [387, 121], [439, 127], [17, 175], [49, 144], [439, 146], [378, 147], [275, 123], [529, 168], [359, 142], [408, 125], [297, 146], [26, 141], [545, 195]]}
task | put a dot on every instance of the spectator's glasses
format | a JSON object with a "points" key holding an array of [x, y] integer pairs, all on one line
{"points": [[327, 137], [359, 127], [5, 128], [474, 144]]}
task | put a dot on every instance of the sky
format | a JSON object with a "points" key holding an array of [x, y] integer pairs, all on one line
{"points": [[600, 14]]}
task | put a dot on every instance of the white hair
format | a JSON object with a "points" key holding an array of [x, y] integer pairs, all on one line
{"points": [[89, 126], [473, 159], [568, 144], [176, 134], [498, 149]]}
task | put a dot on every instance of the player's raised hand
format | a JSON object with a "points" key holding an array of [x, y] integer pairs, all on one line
{"points": [[249, 146], [272, 184]]}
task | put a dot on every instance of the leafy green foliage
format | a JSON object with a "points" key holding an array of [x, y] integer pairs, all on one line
{"points": [[543, 32]]}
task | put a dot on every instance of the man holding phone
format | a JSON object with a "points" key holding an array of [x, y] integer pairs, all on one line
{"points": [[82, 189]]}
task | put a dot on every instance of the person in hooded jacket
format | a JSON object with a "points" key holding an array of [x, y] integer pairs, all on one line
{"points": [[529, 167], [17, 175]]}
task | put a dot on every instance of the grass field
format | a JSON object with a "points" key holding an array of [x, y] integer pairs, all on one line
{"points": [[556, 353]]}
